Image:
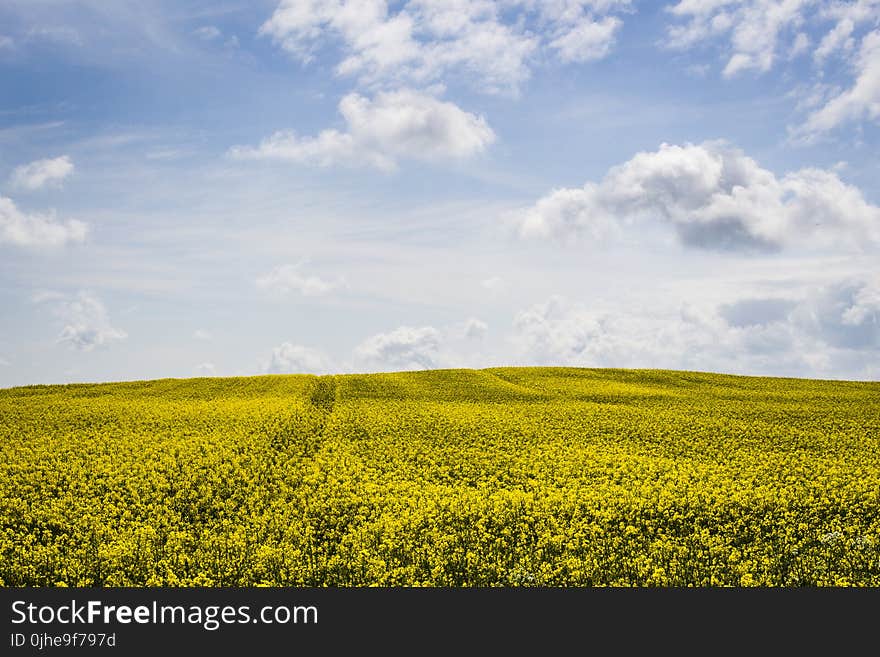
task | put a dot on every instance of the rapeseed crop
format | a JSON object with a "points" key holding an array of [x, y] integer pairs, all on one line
{"points": [[499, 477]]}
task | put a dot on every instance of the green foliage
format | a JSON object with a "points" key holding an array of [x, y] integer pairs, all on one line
{"points": [[513, 477]]}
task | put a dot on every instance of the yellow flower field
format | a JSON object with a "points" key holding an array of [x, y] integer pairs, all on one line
{"points": [[510, 477]]}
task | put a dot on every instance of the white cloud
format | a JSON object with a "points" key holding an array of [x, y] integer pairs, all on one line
{"points": [[201, 334], [405, 347], [329, 148], [847, 18], [806, 335], [864, 306], [41, 173], [474, 329], [861, 101], [208, 33], [839, 38], [751, 34], [6, 43], [290, 358], [410, 124], [4, 362], [382, 130], [206, 369], [754, 29], [800, 45], [421, 41], [714, 197], [461, 344], [85, 321], [588, 40], [34, 230], [558, 332], [285, 279], [844, 314]]}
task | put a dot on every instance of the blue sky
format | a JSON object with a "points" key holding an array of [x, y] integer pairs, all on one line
{"points": [[233, 188]]}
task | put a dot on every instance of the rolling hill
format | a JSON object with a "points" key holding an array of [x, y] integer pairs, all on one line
{"points": [[508, 476]]}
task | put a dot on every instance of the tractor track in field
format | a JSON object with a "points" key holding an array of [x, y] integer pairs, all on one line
{"points": [[323, 395]]}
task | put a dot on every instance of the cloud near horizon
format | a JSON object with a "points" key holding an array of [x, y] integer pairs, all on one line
{"points": [[406, 347], [289, 358], [829, 330]]}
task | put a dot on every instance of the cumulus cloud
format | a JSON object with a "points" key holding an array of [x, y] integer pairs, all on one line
{"points": [[84, 318], [863, 303], [382, 130], [41, 173], [714, 197], [814, 334], [35, 230], [285, 279], [288, 358], [421, 41], [475, 329], [844, 314], [406, 347], [559, 332], [460, 344], [471, 329]]}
